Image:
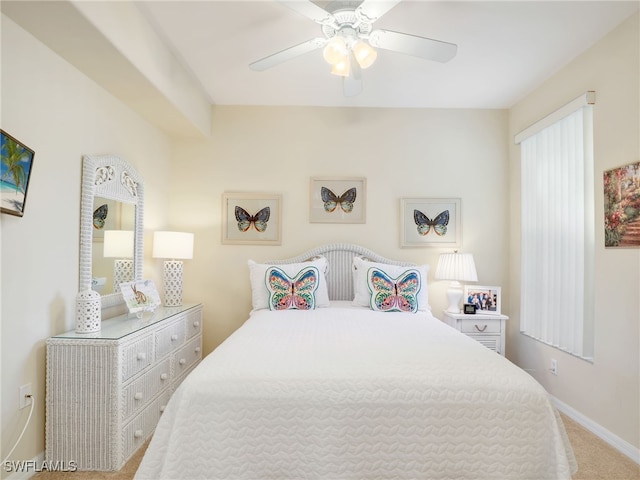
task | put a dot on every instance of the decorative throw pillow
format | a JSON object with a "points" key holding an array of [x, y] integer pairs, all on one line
{"points": [[362, 294], [394, 294], [260, 292], [297, 292]]}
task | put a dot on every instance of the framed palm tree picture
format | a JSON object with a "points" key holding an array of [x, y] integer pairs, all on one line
{"points": [[15, 172]]}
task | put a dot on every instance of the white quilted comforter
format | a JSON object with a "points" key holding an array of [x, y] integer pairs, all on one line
{"points": [[348, 393]]}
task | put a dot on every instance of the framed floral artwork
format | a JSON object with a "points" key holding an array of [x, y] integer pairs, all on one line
{"points": [[251, 219], [338, 200], [622, 206], [430, 222]]}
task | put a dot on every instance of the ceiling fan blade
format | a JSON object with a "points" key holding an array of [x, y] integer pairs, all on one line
{"points": [[413, 45], [310, 10], [351, 86], [352, 83], [372, 10], [288, 54]]}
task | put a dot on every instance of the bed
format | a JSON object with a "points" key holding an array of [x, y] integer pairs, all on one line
{"points": [[346, 390]]}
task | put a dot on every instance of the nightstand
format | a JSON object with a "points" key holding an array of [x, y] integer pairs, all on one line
{"points": [[488, 329]]}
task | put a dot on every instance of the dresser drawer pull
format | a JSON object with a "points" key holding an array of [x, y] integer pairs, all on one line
{"points": [[182, 361], [137, 434], [197, 350], [196, 324], [138, 396], [481, 329], [142, 356], [164, 376], [162, 408], [174, 338]]}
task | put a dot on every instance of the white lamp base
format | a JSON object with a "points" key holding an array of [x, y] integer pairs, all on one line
{"points": [[454, 295], [122, 273], [172, 276]]}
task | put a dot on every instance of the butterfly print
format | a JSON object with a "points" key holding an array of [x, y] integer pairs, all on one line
{"points": [[394, 294], [259, 220], [297, 292], [424, 223], [100, 216], [331, 201]]}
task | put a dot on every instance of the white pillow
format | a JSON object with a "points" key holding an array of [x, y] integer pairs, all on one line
{"points": [[361, 290], [260, 292]]}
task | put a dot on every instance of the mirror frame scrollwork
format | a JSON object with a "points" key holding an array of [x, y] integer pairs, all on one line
{"points": [[113, 178]]}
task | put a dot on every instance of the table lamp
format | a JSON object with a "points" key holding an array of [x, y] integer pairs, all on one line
{"points": [[456, 267], [119, 244], [176, 246]]}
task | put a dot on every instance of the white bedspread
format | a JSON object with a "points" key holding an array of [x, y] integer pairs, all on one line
{"points": [[348, 393]]}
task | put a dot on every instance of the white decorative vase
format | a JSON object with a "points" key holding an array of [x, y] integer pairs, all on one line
{"points": [[88, 312]]}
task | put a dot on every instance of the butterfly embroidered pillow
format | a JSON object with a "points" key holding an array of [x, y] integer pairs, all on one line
{"points": [[394, 294], [296, 292], [362, 293], [260, 293]]}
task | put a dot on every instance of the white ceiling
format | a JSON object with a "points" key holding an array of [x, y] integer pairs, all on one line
{"points": [[505, 50]]}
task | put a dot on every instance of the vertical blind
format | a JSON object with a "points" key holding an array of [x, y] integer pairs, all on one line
{"points": [[557, 233]]}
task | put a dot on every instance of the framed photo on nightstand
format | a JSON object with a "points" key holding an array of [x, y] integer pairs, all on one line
{"points": [[486, 299]]}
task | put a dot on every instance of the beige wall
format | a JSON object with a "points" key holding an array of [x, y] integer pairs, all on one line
{"points": [[62, 115], [465, 154], [607, 391], [404, 152]]}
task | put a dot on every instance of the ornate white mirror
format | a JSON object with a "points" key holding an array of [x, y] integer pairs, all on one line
{"points": [[112, 209]]}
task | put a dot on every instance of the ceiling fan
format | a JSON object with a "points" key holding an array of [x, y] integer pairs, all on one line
{"points": [[349, 38]]}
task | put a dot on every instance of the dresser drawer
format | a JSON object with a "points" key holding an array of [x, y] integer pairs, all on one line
{"points": [[169, 338], [193, 323], [136, 432], [137, 356], [187, 356], [478, 326], [138, 393]]}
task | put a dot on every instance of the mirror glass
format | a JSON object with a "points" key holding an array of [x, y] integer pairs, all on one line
{"points": [[112, 207], [108, 216]]}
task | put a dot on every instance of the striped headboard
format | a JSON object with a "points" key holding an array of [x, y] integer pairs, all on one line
{"points": [[340, 259]]}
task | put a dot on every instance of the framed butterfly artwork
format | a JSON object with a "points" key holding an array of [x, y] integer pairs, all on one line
{"points": [[251, 218], [338, 200], [430, 222]]}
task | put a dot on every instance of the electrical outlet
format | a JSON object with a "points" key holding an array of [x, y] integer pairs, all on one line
{"points": [[554, 366], [25, 395]]}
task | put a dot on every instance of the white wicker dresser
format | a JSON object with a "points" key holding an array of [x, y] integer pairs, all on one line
{"points": [[107, 390]]}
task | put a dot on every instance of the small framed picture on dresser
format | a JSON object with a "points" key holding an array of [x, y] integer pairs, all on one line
{"points": [[486, 299]]}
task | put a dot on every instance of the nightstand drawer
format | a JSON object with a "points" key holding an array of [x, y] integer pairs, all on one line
{"points": [[478, 326]]}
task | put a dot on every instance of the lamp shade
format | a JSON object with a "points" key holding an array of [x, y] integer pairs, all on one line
{"points": [[456, 266], [176, 245], [118, 243]]}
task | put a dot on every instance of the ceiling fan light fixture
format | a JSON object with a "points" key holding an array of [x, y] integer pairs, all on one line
{"points": [[365, 54], [335, 51], [341, 68]]}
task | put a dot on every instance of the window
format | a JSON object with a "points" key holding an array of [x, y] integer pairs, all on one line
{"points": [[557, 229]]}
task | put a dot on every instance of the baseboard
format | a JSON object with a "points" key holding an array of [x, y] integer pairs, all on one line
{"points": [[616, 442], [25, 469]]}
